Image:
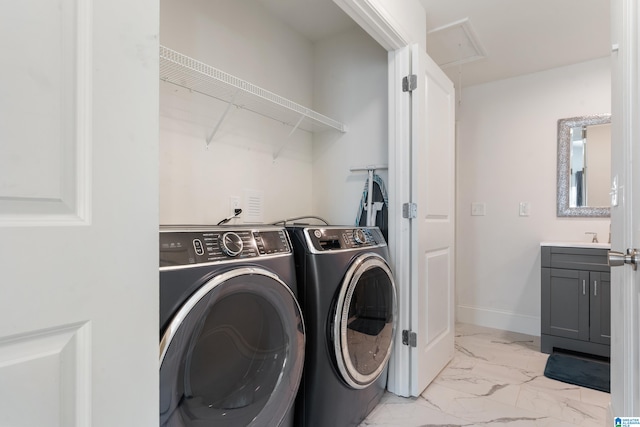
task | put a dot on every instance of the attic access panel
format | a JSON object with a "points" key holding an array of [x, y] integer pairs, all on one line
{"points": [[454, 44]]}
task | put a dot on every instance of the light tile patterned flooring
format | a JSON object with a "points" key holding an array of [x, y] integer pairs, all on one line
{"points": [[495, 379]]}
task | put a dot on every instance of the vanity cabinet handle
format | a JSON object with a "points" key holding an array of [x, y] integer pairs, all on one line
{"points": [[584, 287], [595, 288]]}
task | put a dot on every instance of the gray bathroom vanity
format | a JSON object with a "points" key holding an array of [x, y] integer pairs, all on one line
{"points": [[576, 298]]}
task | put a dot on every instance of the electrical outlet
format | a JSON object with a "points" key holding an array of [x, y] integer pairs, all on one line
{"points": [[234, 203], [525, 209], [478, 209]]}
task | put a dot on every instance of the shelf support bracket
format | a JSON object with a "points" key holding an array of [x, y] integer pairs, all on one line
{"points": [[224, 114], [277, 153]]}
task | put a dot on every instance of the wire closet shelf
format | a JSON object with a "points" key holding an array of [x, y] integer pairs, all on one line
{"points": [[197, 76]]}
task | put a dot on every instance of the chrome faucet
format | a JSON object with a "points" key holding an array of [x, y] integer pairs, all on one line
{"points": [[595, 236]]}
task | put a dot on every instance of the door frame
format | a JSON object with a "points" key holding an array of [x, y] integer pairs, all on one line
{"points": [[377, 22], [625, 282], [382, 27]]}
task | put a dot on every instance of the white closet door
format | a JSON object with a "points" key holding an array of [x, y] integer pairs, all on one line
{"points": [[433, 229], [78, 213], [423, 168]]}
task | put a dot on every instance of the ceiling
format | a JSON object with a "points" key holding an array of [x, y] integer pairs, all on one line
{"points": [[514, 37], [314, 19], [524, 36]]}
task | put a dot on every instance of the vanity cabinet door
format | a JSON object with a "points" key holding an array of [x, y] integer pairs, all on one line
{"points": [[600, 308], [565, 305], [575, 305]]}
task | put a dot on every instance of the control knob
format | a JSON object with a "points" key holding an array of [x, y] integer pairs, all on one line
{"points": [[231, 244], [359, 236]]}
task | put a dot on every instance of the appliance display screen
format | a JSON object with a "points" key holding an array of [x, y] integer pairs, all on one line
{"points": [[176, 254], [273, 242], [178, 249]]}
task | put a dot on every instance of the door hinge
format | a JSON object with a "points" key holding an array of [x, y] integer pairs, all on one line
{"points": [[409, 210], [409, 83], [409, 338]]}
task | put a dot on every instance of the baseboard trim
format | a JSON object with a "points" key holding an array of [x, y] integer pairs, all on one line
{"points": [[498, 319]]}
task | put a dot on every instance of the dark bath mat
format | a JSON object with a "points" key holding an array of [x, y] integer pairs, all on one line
{"points": [[579, 370]]}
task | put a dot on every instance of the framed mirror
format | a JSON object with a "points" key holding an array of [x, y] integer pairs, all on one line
{"points": [[584, 166]]}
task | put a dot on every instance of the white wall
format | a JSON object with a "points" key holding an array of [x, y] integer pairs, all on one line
{"points": [[340, 77], [195, 181], [506, 154], [351, 81]]}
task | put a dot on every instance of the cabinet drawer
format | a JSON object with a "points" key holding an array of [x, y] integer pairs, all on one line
{"points": [[575, 258]]}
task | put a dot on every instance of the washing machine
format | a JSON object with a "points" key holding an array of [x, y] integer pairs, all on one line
{"points": [[348, 299], [232, 337]]}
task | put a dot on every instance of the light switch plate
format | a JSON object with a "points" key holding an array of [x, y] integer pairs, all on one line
{"points": [[525, 209], [478, 209]]}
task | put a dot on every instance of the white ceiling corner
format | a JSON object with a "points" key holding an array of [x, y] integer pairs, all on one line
{"points": [[510, 37]]}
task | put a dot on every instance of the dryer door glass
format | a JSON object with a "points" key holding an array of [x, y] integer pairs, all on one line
{"points": [[233, 354], [364, 322]]}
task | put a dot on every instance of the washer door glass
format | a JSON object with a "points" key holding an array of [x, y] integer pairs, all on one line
{"points": [[364, 323], [233, 354]]}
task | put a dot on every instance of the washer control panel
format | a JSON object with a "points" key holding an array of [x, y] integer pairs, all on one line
{"points": [[323, 239], [185, 247]]}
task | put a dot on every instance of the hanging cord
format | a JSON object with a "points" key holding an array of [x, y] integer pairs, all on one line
{"points": [[236, 213], [284, 221], [459, 84]]}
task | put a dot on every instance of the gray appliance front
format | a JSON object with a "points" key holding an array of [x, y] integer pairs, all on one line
{"points": [[232, 354]]}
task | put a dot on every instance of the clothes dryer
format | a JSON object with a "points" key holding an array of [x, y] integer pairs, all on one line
{"points": [[232, 332], [348, 298]]}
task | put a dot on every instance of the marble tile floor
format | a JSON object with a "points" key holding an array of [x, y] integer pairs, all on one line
{"points": [[495, 379]]}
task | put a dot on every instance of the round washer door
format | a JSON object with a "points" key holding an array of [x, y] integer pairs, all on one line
{"points": [[364, 322], [233, 354]]}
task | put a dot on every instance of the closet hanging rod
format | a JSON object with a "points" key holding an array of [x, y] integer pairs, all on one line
{"points": [[369, 168]]}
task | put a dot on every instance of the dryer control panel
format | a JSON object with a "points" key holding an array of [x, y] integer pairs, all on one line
{"points": [[199, 246], [323, 239]]}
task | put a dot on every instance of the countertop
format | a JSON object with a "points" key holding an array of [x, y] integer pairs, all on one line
{"points": [[578, 245]]}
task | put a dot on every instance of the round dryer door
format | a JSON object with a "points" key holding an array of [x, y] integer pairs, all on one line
{"points": [[233, 354], [364, 323]]}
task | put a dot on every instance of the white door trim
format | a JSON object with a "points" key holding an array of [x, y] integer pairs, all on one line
{"points": [[625, 282], [376, 22], [382, 28], [379, 24], [399, 227]]}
